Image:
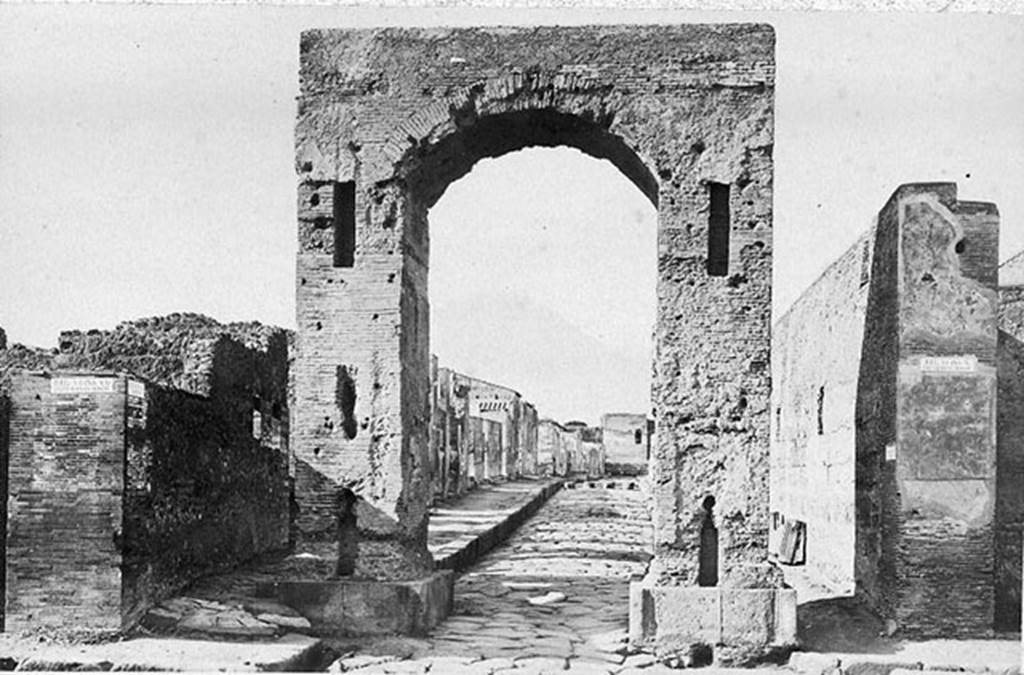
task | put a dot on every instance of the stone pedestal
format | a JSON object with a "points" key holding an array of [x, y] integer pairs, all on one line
{"points": [[674, 619], [350, 607]]}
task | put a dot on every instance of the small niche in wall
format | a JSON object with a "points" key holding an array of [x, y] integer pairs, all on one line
{"points": [[344, 224], [707, 569], [718, 230]]}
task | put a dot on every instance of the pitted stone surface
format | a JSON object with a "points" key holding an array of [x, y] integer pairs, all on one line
{"points": [[586, 544], [396, 115], [885, 420]]}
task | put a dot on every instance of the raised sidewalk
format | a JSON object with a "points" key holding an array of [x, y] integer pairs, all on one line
{"points": [[218, 624]]}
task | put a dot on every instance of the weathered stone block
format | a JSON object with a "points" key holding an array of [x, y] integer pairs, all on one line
{"points": [[670, 619], [353, 607], [684, 112]]}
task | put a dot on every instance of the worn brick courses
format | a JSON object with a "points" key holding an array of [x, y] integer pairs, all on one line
{"points": [[402, 113], [884, 424], [123, 494]]}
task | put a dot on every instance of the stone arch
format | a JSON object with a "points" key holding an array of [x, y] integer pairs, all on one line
{"points": [[401, 113], [429, 168]]}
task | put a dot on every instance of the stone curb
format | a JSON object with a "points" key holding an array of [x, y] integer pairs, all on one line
{"points": [[812, 663], [477, 547]]}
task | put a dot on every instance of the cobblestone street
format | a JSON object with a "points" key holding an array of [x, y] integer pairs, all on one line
{"points": [[554, 597]]}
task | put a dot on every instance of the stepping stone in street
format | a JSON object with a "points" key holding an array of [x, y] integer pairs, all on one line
{"points": [[525, 585], [263, 606], [549, 598], [358, 661], [296, 622], [541, 663], [588, 667]]}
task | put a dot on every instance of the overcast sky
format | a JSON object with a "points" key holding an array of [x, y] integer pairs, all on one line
{"points": [[146, 167]]}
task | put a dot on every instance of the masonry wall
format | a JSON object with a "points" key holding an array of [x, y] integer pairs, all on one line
{"points": [[5, 452], [206, 488], [815, 371], [946, 439], [121, 493], [627, 443], [528, 440], [65, 503], [1010, 445], [910, 425], [397, 115], [593, 458], [201, 475], [552, 454], [501, 406], [1011, 296], [1009, 477], [874, 483], [478, 431]]}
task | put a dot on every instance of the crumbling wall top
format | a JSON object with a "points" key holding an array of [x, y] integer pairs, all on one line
{"points": [[352, 60], [176, 350]]}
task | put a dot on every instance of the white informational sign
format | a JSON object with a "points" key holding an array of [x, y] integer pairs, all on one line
{"points": [[949, 364], [83, 385], [257, 425], [136, 389]]}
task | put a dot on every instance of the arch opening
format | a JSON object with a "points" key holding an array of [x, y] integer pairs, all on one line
{"points": [[542, 278], [431, 169]]}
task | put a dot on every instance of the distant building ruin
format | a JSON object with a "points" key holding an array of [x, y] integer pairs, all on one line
{"points": [[627, 443], [479, 431]]}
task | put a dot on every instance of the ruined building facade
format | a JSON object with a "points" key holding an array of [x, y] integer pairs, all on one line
{"points": [[479, 431], [570, 450], [137, 460], [627, 442], [887, 447]]}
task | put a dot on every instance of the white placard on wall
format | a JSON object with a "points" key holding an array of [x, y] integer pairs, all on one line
{"points": [[950, 364], [82, 385]]}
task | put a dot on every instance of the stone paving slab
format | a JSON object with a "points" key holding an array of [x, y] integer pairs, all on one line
{"points": [[585, 544], [288, 653], [996, 656], [222, 623], [230, 604]]}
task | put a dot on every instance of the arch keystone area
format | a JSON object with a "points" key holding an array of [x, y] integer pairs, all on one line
{"points": [[388, 118]]}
